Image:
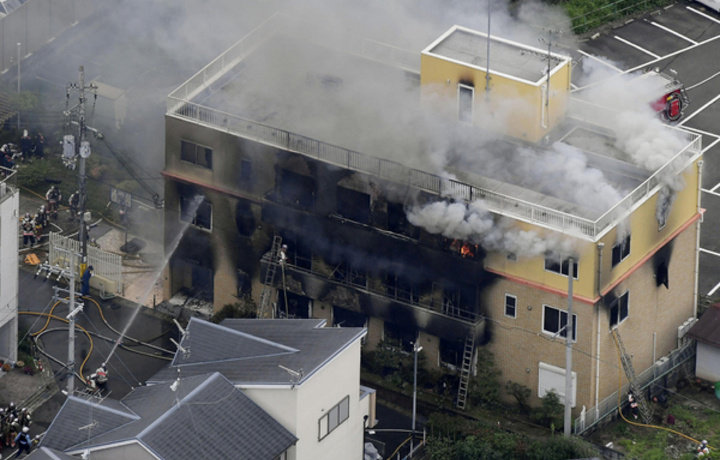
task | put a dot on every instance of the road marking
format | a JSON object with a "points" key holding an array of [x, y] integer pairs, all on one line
{"points": [[710, 192], [712, 291], [637, 47], [601, 61], [702, 14], [677, 34], [673, 54], [690, 117], [702, 82], [709, 252]]}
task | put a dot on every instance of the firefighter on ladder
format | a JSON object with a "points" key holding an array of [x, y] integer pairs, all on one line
{"points": [[98, 380], [633, 405]]}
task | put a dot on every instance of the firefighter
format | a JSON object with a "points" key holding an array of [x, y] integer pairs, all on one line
{"points": [[85, 282], [633, 405], [74, 202], [25, 418], [703, 448], [100, 377], [28, 230], [13, 430], [53, 197], [43, 216], [283, 254], [25, 145], [11, 411], [39, 146]]}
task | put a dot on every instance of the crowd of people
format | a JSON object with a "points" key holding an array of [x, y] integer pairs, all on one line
{"points": [[33, 225], [27, 147], [15, 424]]}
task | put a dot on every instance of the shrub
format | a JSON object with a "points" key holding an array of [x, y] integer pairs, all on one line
{"points": [[521, 393], [550, 412]]}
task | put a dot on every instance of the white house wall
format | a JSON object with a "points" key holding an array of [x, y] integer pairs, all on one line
{"points": [[9, 231], [707, 362]]}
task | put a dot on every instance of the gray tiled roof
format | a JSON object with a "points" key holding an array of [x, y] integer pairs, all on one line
{"points": [[205, 414], [251, 351], [45, 453]]}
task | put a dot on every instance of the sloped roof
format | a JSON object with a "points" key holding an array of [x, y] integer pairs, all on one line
{"points": [[45, 453], [252, 351], [203, 412], [707, 328]]}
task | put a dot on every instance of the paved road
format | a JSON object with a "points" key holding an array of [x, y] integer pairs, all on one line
{"points": [[684, 36]]}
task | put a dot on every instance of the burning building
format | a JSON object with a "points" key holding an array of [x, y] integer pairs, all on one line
{"points": [[435, 197]]}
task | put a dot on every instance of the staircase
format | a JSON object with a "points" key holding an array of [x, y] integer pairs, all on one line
{"points": [[265, 307], [643, 406], [465, 370]]}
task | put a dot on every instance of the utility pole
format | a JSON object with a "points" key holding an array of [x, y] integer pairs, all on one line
{"points": [[568, 351], [416, 349], [19, 47], [487, 63], [83, 151]]}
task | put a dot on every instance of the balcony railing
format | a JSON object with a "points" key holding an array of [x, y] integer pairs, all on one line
{"points": [[180, 105], [344, 276]]}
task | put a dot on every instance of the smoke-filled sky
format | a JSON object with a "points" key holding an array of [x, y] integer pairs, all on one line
{"points": [[178, 37]]}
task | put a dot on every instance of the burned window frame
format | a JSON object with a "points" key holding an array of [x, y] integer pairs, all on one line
{"points": [[621, 251], [562, 267], [560, 324], [194, 157], [514, 306], [183, 201], [617, 307]]}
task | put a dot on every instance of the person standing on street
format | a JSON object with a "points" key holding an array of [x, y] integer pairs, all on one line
{"points": [[23, 442], [85, 281]]}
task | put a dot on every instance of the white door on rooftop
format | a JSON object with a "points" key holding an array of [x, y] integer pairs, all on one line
{"points": [[466, 96]]}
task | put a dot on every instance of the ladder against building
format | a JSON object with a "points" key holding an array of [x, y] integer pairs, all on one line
{"points": [[465, 369], [265, 307], [643, 406]]}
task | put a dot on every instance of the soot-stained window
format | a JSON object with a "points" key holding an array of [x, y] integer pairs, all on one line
{"points": [[342, 317], [399, 336], [297, 306], [353, 205], [559, 263], [296, 189], [195, 209], [621, 251], [451, 352], [196, 154], [555, 322], [619, 309], [398, 222]]}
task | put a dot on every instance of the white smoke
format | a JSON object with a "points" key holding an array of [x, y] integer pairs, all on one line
{"points": [[474, 223]]}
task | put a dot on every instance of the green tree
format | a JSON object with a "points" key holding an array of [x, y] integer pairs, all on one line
{"points": [[550, 412], [484, 389], [521, 393]]}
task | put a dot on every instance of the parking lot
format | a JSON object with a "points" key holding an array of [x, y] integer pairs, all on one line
{"points": [[685, 37]]}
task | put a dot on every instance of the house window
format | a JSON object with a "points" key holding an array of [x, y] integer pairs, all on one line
{"points": [[196, 154], [552, 378], [510, 306], [333, 418], [560, 264], [619, 309], [199, 215], [621, 251], [555, 322], [466, 95]]}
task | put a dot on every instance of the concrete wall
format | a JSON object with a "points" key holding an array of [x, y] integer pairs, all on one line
{"points": [[9, 228]]}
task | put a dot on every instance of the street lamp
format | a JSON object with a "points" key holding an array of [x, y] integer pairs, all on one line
{"points": [[416, 349]]}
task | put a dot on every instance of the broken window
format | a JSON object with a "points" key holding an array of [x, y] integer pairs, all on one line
{"points": [[401, 289], [199, 215], [397, 220], [559, 263], [510, 306], [196, 154], [555, 322], [342, 317], [244, 218], [353, 205], [399, 336], [297, 306], [621, 251], [466, 95], [619, 309], [451, 353], [296, 189]]}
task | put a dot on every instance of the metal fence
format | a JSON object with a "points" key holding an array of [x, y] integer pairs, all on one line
{"points": [[609, 406], [105, 264]]}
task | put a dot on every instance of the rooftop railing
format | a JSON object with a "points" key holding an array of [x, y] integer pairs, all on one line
{"points": [[180, 105]]}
